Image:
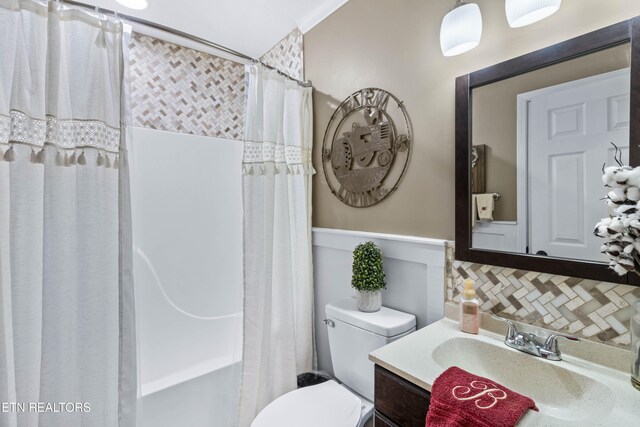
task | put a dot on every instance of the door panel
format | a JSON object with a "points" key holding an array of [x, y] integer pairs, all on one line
{"points": [[566, 121], [571, 127], [567, 194]]}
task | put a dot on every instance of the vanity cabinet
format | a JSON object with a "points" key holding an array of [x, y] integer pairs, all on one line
{"points": [[398, 402]]}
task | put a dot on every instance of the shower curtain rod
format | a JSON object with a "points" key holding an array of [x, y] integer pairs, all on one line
{"points": [[182, 34]]}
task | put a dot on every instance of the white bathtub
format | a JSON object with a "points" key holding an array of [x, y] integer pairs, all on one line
{"points": [[187, 235], [189, 367], [206, 401]]}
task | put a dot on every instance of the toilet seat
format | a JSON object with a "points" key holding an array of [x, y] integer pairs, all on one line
{"points": [[322, 405]]}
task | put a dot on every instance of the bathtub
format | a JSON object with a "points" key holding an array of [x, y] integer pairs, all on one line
{"points": [[187, 237], [189, 367]]}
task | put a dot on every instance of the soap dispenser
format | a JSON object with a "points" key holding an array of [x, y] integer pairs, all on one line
{"points": [[469, 309]]}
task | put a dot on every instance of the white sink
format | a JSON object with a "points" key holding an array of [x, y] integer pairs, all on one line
{"points": [[571, 392], [558, 392]]}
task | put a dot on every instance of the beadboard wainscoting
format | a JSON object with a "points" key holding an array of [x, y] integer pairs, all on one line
{"points": [[497, 236], [414, 269]]}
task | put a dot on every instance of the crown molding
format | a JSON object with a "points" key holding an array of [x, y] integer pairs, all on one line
{"points": [[312, 19]]}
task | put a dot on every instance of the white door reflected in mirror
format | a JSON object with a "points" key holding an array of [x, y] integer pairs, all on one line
{"points": [[544, 137], [570, 127]]}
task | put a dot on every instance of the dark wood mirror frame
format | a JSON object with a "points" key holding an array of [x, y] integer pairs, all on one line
{"points": [[614, 35]]}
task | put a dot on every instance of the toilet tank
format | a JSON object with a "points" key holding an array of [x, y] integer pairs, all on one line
{"points": [[354, 334]]}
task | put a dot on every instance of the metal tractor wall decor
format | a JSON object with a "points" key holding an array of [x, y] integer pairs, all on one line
{"points": [[366, 147]]}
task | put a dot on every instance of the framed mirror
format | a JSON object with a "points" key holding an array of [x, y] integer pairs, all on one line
{"points": [[532, 136]]}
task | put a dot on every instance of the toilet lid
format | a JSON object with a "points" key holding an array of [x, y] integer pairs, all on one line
{"points": [[322, 405]]}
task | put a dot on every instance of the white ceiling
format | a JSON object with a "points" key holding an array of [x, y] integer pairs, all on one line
{"points": [[248, 26]]}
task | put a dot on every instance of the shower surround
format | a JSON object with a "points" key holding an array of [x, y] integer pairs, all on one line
{"points": [[177, 89], [188, 272], [188, 112]]}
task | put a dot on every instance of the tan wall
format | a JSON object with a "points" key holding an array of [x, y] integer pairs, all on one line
{"points": [[495, 118], [394, 45]]}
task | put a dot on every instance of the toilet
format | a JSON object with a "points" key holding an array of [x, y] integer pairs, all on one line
{"points": [[347, 400]]}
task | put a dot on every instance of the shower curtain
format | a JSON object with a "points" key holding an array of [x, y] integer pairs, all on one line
{"points": [[278, 293], [66, 300]]}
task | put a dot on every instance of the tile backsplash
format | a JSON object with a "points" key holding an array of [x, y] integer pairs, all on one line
{"points": [[178, 89], [598, 311], [287, 55]]}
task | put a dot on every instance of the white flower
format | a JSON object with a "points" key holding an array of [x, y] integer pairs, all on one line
{"points": [[627, 262], [633, 193], [633, 178], [614, 250], [620, 270], [619, 192], [626, 210], [607, 177], [602, 228], [616, 197], [621, 231], [616, 175], [617, 225], [612, 205], [635, 224], [621, 174]]}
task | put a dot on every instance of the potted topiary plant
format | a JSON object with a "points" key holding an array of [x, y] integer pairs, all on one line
{"points": [[368, 276]]}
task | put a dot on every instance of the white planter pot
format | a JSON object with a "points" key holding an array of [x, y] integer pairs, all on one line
{"points": [[369, 301]]}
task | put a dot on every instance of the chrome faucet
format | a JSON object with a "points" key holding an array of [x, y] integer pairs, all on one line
{"points": [[532, 344]]}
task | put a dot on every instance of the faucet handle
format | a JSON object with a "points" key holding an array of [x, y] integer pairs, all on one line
{"points": [[551, 343], [512, 331], [550, 349]]}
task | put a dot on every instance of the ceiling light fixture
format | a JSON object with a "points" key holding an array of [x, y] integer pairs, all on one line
{"points": [[525, 12], [134, 4], [461, 29]]}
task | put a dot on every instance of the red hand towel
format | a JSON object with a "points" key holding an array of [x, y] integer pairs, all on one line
{"points": [[461, 399]]}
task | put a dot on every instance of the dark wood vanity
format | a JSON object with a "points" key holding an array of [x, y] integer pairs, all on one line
{"points": [[398, 402]]}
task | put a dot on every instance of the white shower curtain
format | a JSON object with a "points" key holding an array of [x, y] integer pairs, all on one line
{"points": [[67, 344], [278, 293]]}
